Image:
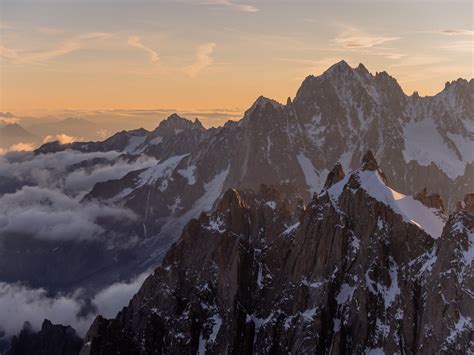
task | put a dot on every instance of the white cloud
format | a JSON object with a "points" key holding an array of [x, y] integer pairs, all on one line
{"points": [[233, 4], [203, 59], [457, 32], [83, 179], [45, 170], [19, 147], [136, 42], [113, 298], [37, 57], [61, 138], [53, 171], [356, 39], [19, 303], [50, 215]]}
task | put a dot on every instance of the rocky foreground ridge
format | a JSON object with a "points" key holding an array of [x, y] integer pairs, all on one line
{"points": [[361, 269]]}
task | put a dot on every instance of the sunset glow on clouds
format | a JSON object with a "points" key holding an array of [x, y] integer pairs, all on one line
{"points": [[209, 54]]}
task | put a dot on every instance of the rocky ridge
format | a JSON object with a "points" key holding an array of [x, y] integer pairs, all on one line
{"points": [[353, 272]]}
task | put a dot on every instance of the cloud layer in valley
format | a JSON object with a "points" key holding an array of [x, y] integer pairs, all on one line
{"points": [[50, 215], [54, 171], [46, 204], [44, 199], [19, 303]]}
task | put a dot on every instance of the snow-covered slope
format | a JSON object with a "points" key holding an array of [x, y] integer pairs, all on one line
{"points": [[411, 210]]}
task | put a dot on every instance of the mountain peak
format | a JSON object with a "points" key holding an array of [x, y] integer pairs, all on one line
{"points": [[339, 67], [361, 69], [197, 123], [175, 124], [260, 104], [262, 101], [369, 162]]}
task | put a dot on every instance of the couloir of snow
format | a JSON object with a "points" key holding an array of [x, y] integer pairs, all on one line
{"points": [[411, 210], [314, 180]]}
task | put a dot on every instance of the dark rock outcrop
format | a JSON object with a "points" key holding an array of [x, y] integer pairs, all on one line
{"points": [[52, 339], [334, 176], [432, 201], [466, 204]]}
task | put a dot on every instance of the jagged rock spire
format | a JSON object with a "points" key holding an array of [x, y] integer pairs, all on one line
{"points": [[369, 163], [334, 176]]}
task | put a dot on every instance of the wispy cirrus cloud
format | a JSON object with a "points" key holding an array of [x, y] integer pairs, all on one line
{"points": [[457, 32], [357, 39], [203, 59], [38, 57], [232, 4], [136, 42], [459, 46]]}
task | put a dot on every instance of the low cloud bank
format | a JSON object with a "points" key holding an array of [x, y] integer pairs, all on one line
{"points": [[40, 198], [19, 147], [54, 171], [50, 215], [42, 194], [61, 138], [19, 304]]}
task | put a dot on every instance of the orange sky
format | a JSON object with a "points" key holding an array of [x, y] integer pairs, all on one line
{"points": [[217, 54]]}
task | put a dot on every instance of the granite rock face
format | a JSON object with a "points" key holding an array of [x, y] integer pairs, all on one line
{"points": [[362, 268]]}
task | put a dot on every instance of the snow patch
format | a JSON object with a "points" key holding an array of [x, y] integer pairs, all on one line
{"points": [[161, 170], [345, 294], [216, 326], [188, 173], [290, 229], [425, 145], [156, 140], [216, 224], [314, 181], [271, 204], [133, 143], [464, 324], [308, 315]]}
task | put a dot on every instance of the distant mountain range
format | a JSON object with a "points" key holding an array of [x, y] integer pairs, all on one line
{"points": [[12, 134], [350, 240]]}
